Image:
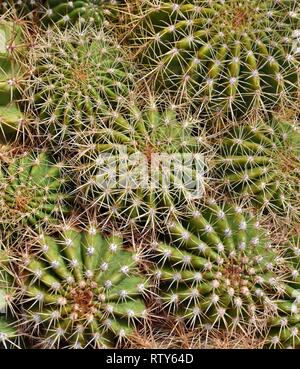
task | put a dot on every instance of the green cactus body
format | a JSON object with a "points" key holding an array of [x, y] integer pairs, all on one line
{"points": [[217, 267], [141, 167], [261, 162], [225, 56], [79, 73], [82, 290], [32, 190], [12, 46], [285, 328]]}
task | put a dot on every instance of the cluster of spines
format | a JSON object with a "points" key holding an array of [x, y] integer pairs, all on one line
{"points": [[180, 253]]}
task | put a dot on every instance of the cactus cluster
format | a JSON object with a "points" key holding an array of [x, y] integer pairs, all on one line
{"points": [[152, 199], [229, 57]]}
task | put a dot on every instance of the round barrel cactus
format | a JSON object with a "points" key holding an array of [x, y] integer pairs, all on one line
{"points": [[217, 267], [140, 167], [82, 290], [227, 57], [79, 73], [32, 190], [260, 162], [285, 328]]}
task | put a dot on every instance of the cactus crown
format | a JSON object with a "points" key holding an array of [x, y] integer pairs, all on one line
{"points": [[31, 190], [82, 290], [227, 57], [217, 267], [260, 162], [141, 165], [79, 72]]}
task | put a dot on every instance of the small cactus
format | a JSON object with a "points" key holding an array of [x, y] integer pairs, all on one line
{"points": [[82, 289], [218, 268], [79, 72], [260, 162], [140, 166], [31, 190], [228, 57]]}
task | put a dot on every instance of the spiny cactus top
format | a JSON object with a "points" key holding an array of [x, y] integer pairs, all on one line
{"points": [[217, 267], [82, 290], [79, 72], [261, 162], [285, 329], [142, 166], [228, 56], [31, 190]]}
